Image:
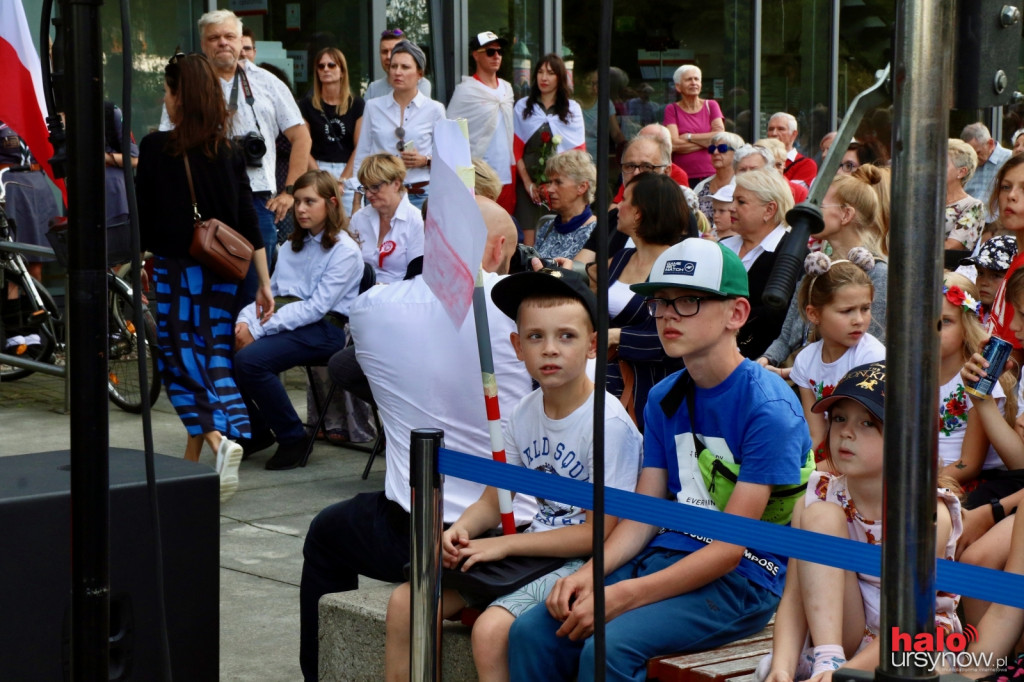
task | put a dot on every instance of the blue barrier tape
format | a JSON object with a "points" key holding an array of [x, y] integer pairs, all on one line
{"points": [[950, 576]]}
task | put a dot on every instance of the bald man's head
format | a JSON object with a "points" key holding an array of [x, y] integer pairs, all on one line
{"points": [[501, 236]]}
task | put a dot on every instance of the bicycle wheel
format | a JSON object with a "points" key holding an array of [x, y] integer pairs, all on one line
{"points": [[25, 330], [123, 381]]}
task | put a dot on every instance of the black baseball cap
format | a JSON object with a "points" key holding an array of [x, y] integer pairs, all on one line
{"points": [[514, 289], [865, 384]]}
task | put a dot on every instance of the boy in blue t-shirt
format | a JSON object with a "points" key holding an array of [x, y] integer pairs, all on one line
{"points": [[669, 591]]}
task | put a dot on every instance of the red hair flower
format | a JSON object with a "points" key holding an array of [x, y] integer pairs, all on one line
{"points": [[955, 295]]}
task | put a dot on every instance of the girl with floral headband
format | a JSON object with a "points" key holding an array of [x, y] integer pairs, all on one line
{"points": [[835, 298], [964, 449], [999, 490]]}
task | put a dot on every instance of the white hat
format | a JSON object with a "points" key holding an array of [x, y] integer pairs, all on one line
{"points": [[699, 264], [724, 193], [481, 39]]}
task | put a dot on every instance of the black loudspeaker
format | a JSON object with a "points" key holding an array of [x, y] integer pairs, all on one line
{"points": [[35, 568], [987, 53]]}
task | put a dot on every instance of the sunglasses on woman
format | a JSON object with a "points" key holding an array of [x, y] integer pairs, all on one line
{"points": [[720, 148], [327, 66]]}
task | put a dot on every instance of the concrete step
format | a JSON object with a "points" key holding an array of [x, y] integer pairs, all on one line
{"points": [[352, 638]]}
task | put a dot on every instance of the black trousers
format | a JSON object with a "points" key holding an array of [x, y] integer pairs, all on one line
{"points": [[366, 535]]}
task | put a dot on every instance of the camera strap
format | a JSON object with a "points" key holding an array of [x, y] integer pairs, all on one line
{"points": [[249, 99]]}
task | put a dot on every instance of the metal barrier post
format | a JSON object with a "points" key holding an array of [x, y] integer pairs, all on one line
{"points": [[922, 99], [425, 556]]}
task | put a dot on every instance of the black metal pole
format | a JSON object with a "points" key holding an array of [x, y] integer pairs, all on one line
{"points": [[924, 32], [604, 63], [425, 559], [87, 343]]}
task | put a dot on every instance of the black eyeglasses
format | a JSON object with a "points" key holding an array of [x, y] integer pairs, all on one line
{"points": [[327, 66], [630, 168], [685, 306], [720, 148], [391, 33], [370, 189], [849, 166], [491, 51]]}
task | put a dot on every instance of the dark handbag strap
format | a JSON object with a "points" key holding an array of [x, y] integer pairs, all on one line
{"points": [[691, 402], [191, 189]]}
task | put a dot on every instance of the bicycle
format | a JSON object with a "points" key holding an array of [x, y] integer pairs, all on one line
{"points": [[32, 326]]}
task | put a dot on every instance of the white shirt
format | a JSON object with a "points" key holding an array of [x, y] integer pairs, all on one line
{"points": [[424, 374], [488, 114], [566, 447], [381, 87], [405, 237], [276, 109], [325, 281], [771, 240], [380, 119], [811, 372]]}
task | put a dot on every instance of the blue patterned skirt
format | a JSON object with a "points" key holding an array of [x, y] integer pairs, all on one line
{"points": [[196, 337]]}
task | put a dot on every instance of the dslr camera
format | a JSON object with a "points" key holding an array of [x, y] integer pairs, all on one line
{"points": [[521, 260], [254, 148]]}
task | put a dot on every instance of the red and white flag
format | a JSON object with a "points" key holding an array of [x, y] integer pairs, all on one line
{"points": [[22, 105], [454, 232]]}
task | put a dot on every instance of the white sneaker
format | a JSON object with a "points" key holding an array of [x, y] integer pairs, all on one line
{"points": [[33, 340], [15, 341], [229, 456]]}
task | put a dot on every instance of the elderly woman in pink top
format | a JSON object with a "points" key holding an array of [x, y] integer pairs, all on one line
{"points": [[693, 122]]}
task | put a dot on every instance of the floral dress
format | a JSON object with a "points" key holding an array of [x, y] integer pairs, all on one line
{"points": [[965, 220], [832, 489]]}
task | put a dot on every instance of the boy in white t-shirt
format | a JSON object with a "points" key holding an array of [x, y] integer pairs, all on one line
{"points": [[550, 430]]}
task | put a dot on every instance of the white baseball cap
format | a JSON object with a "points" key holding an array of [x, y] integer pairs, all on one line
{"points": [[699, 264]]}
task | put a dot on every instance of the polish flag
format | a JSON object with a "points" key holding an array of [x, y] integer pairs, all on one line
{"points": [[22, 106]]}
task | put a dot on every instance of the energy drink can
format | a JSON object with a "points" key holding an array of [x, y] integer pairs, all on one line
{"points": [[997, 352]]}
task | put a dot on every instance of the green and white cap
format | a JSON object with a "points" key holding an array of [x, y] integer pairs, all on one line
{"points": [[698, 264]]}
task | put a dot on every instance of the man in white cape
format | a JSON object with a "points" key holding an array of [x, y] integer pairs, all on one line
{"points": [[486, 102]]}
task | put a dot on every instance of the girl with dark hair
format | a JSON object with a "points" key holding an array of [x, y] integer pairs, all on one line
{"points": [[335, 118], [654, 214], [545, 123], [314, 284], [193, 302]]}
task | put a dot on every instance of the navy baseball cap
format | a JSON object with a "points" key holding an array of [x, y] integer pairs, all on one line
{"points": [[865, 384], [995, 254]]}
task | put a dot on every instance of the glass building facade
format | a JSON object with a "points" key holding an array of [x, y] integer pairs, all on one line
{"points": [[806, 57]]}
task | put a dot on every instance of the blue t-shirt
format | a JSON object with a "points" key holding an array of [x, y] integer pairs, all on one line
{"points": [[754, 419]]}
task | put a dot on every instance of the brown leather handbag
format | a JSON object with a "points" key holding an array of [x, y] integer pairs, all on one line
{"points": [[215, 245]]}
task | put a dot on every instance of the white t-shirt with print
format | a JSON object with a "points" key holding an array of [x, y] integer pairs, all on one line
{"points": [[954, 402], [566, 447], [821, 377]]}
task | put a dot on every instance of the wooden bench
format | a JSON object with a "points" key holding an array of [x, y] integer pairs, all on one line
{"points": [[735, 662]]}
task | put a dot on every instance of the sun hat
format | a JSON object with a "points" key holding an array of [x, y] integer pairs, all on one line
{"points": [[699, 264]]}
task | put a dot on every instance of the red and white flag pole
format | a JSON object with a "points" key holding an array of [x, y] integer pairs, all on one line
{"points": [[454, 238]]}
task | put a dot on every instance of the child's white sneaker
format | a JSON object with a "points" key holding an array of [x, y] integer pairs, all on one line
{"points": [[229, 456]]}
